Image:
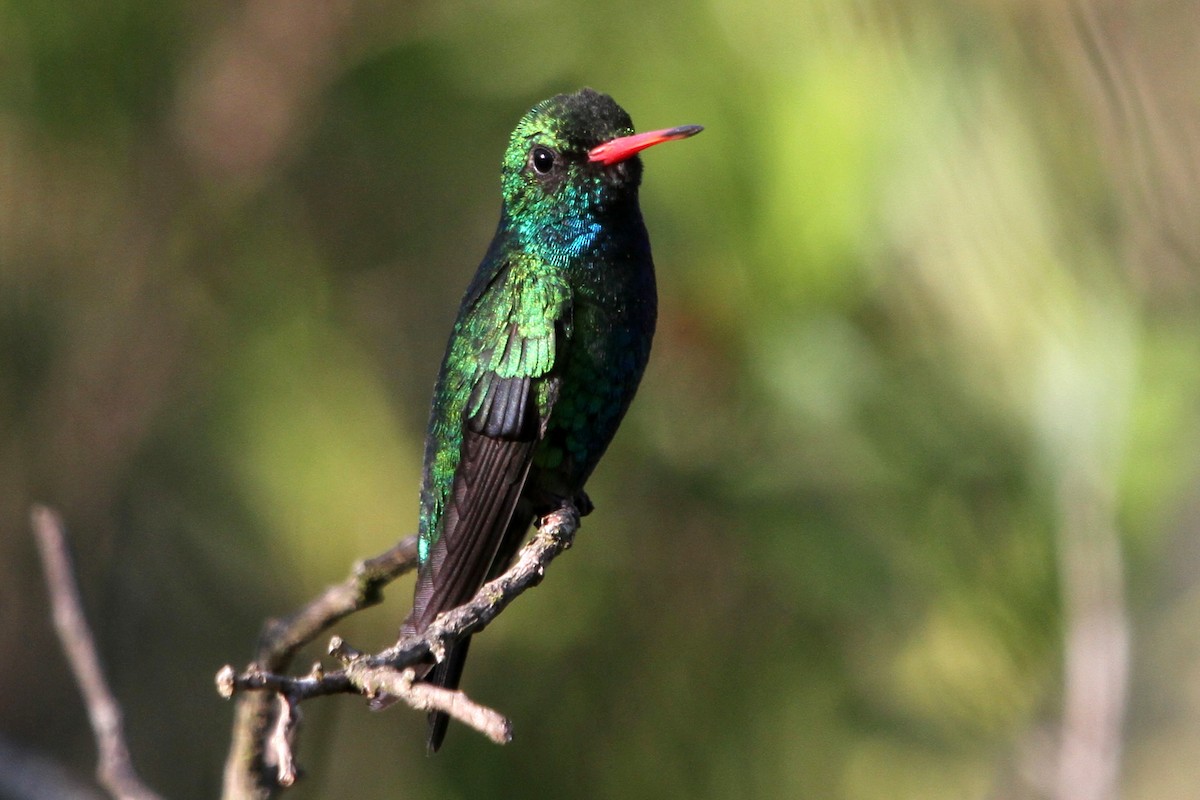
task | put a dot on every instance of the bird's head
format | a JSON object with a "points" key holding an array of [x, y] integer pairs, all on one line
{"points": [[574, 158]]}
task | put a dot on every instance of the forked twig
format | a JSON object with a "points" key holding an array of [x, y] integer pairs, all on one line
{"points": [[262, 760]]}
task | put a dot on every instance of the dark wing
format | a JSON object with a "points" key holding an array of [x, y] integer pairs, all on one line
{"points": [[496, 451], [507, 338], [498, 443]]}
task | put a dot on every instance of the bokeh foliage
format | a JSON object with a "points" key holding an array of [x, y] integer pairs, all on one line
{"points": [[927, 350]]}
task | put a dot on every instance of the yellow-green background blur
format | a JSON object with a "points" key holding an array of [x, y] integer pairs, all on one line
{"points": [[906, 507]]}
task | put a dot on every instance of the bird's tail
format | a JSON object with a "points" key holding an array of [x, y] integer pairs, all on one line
{"points": [[447, 674]]}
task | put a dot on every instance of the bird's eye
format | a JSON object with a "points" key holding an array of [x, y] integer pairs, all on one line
{"points": [[542, 159]]}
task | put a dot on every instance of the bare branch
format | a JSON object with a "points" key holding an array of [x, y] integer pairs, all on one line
{"points": [[248, 775], [387, 675], [280, 743], [402, 685], [281, 639], [555, 534], [114, 769]]}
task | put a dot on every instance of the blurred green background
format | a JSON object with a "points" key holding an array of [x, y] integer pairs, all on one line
{"points": [[906, 507]]}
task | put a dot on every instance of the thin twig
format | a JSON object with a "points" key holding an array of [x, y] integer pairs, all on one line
{"points": [[402, 684], [282, 638], [287, 722], [555, 534], [114, 769], [387, 673], [248, 775]]}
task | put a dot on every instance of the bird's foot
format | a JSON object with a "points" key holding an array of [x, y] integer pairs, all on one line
{"points": [[578, 507]]}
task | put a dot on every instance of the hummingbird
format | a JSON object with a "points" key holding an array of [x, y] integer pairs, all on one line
{"points": [[545, 356]]}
